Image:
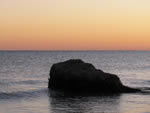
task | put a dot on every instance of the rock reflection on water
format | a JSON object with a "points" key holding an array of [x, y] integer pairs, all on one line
{"points": [[67, 103]]}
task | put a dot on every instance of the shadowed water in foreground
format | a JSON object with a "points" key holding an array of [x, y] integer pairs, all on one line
{"points": [[117, 103], [67, 103], [48, 101]]}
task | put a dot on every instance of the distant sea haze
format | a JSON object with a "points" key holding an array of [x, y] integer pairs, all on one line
{"points": [[24, 81]]}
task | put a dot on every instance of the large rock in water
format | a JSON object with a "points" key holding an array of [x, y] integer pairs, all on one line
{"points": [[78, 76]]}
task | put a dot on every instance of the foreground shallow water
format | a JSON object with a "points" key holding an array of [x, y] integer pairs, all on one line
{"points": [[55, 102]]}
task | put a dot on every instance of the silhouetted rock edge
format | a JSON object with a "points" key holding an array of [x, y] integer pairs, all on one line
{"points": [[77, 76]]}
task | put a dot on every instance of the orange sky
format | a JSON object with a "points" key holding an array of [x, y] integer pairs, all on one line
{"points": [[74, 25]]}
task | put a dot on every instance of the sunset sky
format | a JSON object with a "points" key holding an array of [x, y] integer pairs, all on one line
{"points": [[74, 24]]}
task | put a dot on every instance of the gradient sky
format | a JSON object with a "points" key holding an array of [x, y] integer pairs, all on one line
{"points": [[74, 25]]}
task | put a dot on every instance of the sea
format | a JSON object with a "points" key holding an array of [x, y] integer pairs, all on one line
{"points": [[24, 82]]}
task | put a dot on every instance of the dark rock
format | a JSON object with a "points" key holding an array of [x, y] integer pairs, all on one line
{"points": [[78, 76]]}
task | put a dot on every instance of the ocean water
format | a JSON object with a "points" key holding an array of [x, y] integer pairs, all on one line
{"points": [[24, 80]]}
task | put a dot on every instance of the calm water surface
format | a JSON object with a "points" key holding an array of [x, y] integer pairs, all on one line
{"points": [[24, 76]]}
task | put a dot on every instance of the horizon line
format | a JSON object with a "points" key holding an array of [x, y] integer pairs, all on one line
{"points": [[71, 50]]}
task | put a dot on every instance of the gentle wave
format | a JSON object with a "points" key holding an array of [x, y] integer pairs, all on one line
{"points": [[30, 82], [23, 94]]}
